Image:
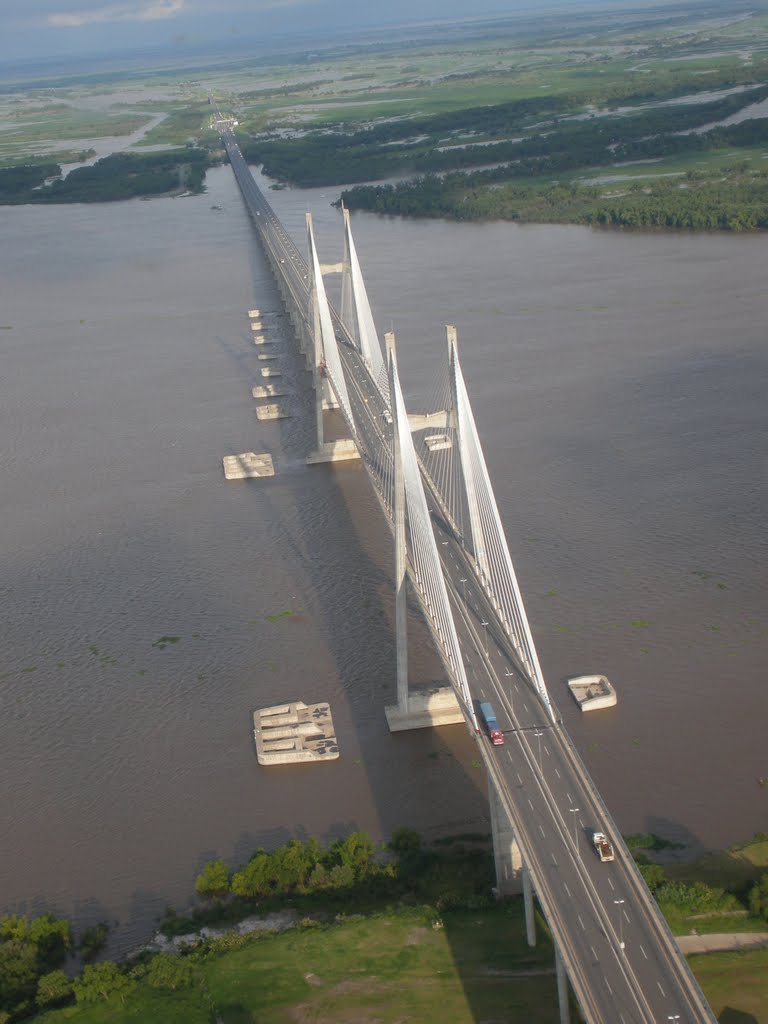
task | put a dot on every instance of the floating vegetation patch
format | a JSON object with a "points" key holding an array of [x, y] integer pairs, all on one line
{"points": [[93, 648], [6, 327], [30, 668], [640, 624], [280, 615], [551, 593], [165, 641]]}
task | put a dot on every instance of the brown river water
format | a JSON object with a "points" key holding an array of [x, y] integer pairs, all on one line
{"points": [[619, 384]]}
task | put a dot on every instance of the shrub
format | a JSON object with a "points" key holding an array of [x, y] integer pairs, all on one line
{"points": [[102, 981], [758, 898], [53, 988], [171, 972], [93, 940], [213, 880]]}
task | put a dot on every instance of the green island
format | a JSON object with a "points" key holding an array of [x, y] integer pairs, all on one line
{"points": [[356, 931], [614, 117]]}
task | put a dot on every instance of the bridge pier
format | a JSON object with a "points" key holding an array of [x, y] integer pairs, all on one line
{"points": [[506, 853], [530, 920], [562, 988]]}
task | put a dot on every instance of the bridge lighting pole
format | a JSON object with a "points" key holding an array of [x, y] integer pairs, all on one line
{"points": [[620, 904], [510, 675], [673, 1016], [574, 811], [538, 735]]}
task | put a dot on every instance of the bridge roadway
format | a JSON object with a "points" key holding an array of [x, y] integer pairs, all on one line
{"points": [[622, 961]]}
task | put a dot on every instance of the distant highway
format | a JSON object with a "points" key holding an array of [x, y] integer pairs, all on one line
{"points": [[621, 958]]}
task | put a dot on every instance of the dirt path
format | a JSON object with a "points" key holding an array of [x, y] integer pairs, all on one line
{"points": [[720, 943]]}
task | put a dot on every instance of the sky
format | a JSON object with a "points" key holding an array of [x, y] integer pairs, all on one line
{"points": [[42, 28]]}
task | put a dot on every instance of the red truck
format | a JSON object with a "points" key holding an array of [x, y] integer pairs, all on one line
{"points": [[491, 725]]}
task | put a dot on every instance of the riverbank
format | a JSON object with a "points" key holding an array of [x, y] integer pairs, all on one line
{"points": [[402, 963], [351, 931]]}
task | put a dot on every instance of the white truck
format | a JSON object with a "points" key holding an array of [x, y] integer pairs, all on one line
{"points": [[603, 847]]}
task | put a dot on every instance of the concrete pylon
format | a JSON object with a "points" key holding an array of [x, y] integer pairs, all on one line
{"points": [[456, 412], [317, 335], [562, 988], [427, 706], [530, 920], [506, 852], [401, 597]]}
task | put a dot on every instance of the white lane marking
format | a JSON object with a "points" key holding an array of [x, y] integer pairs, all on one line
{"points": [[611, 884], [626, 917], [608, 984], [565, 886], [529, 803], [581, 922], [519, 779], [621, 1018], [643, 952], [594, 954], [525, 705], [661, 989], [545, 750], [541, 830], [569, 798], [554, 860]]}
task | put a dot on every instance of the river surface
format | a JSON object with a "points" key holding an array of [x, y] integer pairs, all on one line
{"points": [[619, 385]]}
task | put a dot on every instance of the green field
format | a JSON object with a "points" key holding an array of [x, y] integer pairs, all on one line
{"points": [[397, 966]]}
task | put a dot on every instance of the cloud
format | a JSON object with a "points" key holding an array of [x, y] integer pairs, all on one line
{"points": [[150, 10]]}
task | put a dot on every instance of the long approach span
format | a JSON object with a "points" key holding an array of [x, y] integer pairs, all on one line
{"points": [[620, 957]]}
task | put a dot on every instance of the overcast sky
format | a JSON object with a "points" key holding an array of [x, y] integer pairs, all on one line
{"points": [[40, 28]]}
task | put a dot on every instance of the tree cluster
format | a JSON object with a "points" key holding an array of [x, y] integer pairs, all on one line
{"points": [[457, 875], [119, 176], [30, 954], [444, 142]]}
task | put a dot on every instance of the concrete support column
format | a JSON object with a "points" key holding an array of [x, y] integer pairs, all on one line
{"points": [[562, 988], [506, 852], [530, 920], [401, 603]]}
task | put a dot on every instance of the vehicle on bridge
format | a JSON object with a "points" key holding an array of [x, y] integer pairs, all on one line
{"points": [[488, 716], [603, 847]]}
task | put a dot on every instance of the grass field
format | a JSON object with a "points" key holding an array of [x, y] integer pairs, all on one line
{"points": [[394, 967]]}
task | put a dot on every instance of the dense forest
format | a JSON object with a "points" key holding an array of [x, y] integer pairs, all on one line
{"points": [[119, 176], [510, 132]]}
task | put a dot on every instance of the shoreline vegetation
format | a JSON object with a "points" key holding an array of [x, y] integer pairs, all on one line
{"points": [[343, 931], [617, 119]]}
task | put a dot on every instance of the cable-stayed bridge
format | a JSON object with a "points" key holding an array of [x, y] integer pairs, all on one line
{"points": [[432, 481]]}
